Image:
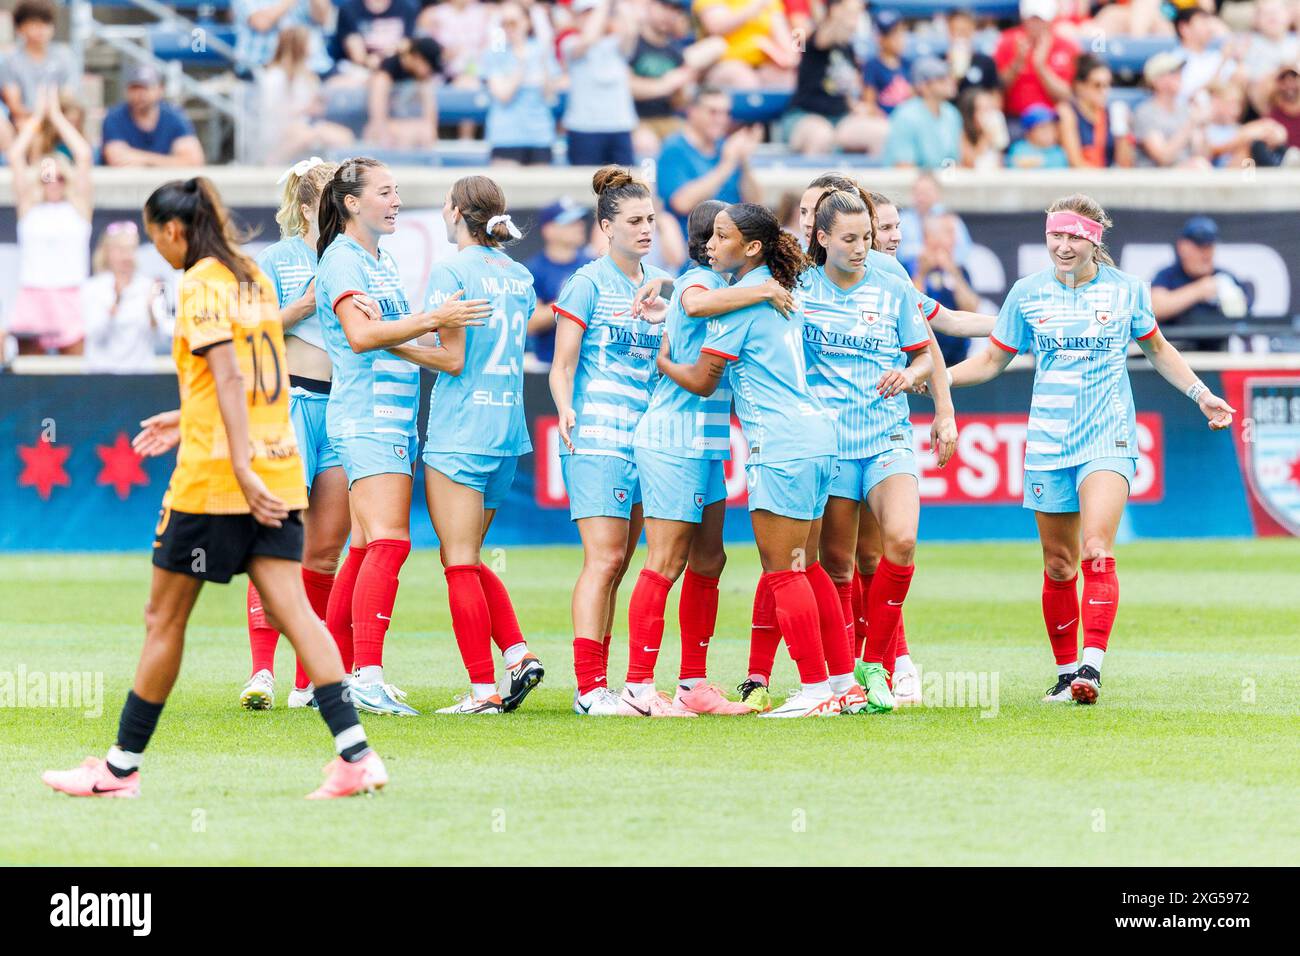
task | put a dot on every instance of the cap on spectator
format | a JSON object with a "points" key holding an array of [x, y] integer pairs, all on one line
{"points": [[927, 69], [429, 50], [1035, 115], [1043, 9], [144, 75], [886, 20], [1202, 230], [563, 212], [1162, 64]]}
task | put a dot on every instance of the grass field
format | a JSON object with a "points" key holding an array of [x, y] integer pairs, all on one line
{"points": [[1189, 758]]}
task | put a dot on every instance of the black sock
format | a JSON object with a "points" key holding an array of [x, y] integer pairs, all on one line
{"points": [[135, 727], [341, 718]]}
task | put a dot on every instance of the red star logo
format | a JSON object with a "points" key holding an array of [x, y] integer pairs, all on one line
{"points": [[43, 467], [1295, 471], [121, 466]]}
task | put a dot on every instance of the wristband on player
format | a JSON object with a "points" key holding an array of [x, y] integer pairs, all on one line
{"points": [[948, 372], [1196, 390]]}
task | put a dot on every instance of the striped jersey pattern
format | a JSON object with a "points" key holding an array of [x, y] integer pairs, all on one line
{"points": [[291, 263], [887, 263], [1082, 407]]}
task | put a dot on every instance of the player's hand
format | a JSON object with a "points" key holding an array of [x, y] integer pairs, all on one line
{"points": [[267, 509], [943, 437], [457, 313], [1218, 412], [653, 309], [368, 306], [665, 354], [159, 434], [920, 388], [781, 298], [647, 293], [567, 422], [895, 381]]}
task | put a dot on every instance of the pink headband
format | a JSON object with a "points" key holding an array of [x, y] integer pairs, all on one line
{"points": [[1071, 223]]}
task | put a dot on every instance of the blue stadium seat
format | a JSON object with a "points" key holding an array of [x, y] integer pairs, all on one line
{"points": [[170, 44], [455, 105], [1131, 96], [920, 9], [216, 6], [758, 106], [1127, 55]]}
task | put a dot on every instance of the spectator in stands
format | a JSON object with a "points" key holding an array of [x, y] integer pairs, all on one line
{"points": [[48, 141], [37, 61], [1273, 45], [463, 27], [1193, 291], [539, 16], [1134, 18], [703, 162], [831, 109], [1089, 136], [53, 209], [926, 130], [927, 200], [938, 275], [1203, 65], [522, 76], [1039, 146], [1167, 130], [984, 134], [146, 131], [972, 67], [564, 236], [1231, 143], [1035, 62], [886, 86], [1284, 103], [663, 70], [289, 105], [403, 97], [761, 51], [125, 311], [599, 115], [369, 31], [258, 25]]}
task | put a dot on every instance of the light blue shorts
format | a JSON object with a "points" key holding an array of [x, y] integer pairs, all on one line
{"points": [[1057, 491], [377, 454], [600, 486], [490, 474], [857, 476], [307, 412], [792, 489], [678, 489]]}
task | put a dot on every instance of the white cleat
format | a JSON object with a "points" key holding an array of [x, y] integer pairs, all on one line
{"points": [[302, 698], [1061, 692], [601, 702], [259, 692], [800, 705], [907, 689]]}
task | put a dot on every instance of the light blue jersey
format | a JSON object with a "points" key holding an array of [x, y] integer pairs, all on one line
{"points": [[481, 411], [678, 422], [887, 263], [291, 263], [851, 338], [373, 392], [616, 367], [781, 418], [1082, 407]]}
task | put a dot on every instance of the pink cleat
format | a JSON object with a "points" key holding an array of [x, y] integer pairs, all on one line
{"points": [[346, 779], [650, 705], [706, 698], [93, 779]]}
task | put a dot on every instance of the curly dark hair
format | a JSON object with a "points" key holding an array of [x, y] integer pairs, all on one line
{"points": [[781, 251]]}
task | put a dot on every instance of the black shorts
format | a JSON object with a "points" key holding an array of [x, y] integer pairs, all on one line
{"points": [[217, 547]]}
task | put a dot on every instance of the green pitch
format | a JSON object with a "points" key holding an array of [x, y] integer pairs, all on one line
{"points": [[1189, 758]]}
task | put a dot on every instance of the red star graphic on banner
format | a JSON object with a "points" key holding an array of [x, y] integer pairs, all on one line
{"points": [[121, 466], [1295, 471], [43, 467]]}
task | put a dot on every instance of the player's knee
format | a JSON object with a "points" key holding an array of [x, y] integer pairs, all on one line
{"points": [[709, 565], [838, 564], [901, 547], [607, 566], [1095, 548], [868, 560], [322, 560], [1059, 565]]}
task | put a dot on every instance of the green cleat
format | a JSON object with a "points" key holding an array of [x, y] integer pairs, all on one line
{"points": [[755, 695], [875, 681]]}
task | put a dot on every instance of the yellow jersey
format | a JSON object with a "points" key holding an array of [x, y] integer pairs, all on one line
{"points": [[743, 42], [213, 309]]}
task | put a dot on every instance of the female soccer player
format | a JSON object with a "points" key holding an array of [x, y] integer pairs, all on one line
{"points": [[680, 444], [1078, 318], [792, 448], [291, 266], [859, 326], [235, 499], [370, 416], [476, 434], [601, 378]]}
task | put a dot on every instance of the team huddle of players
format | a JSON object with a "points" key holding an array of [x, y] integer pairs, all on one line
{"points": [[816, 342]]}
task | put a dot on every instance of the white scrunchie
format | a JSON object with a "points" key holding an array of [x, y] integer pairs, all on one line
{"points": [[299, 169], [510, 226]]}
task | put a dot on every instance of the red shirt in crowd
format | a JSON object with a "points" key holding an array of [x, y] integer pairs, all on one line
{"points": [[1026, 90]]}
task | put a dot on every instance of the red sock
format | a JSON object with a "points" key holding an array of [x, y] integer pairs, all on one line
{"points": [[861, 588], [1061, 615], [796, 609], [471, 621], [645, 619], [697, 616], [604, 652], [764, 635], [505, 623], [884, 607], [830, 620], [338, 614], [900, 638], [1100, 601], [318, 588], [845, 592], [373, 598], [262, 637], [588, 664]]}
